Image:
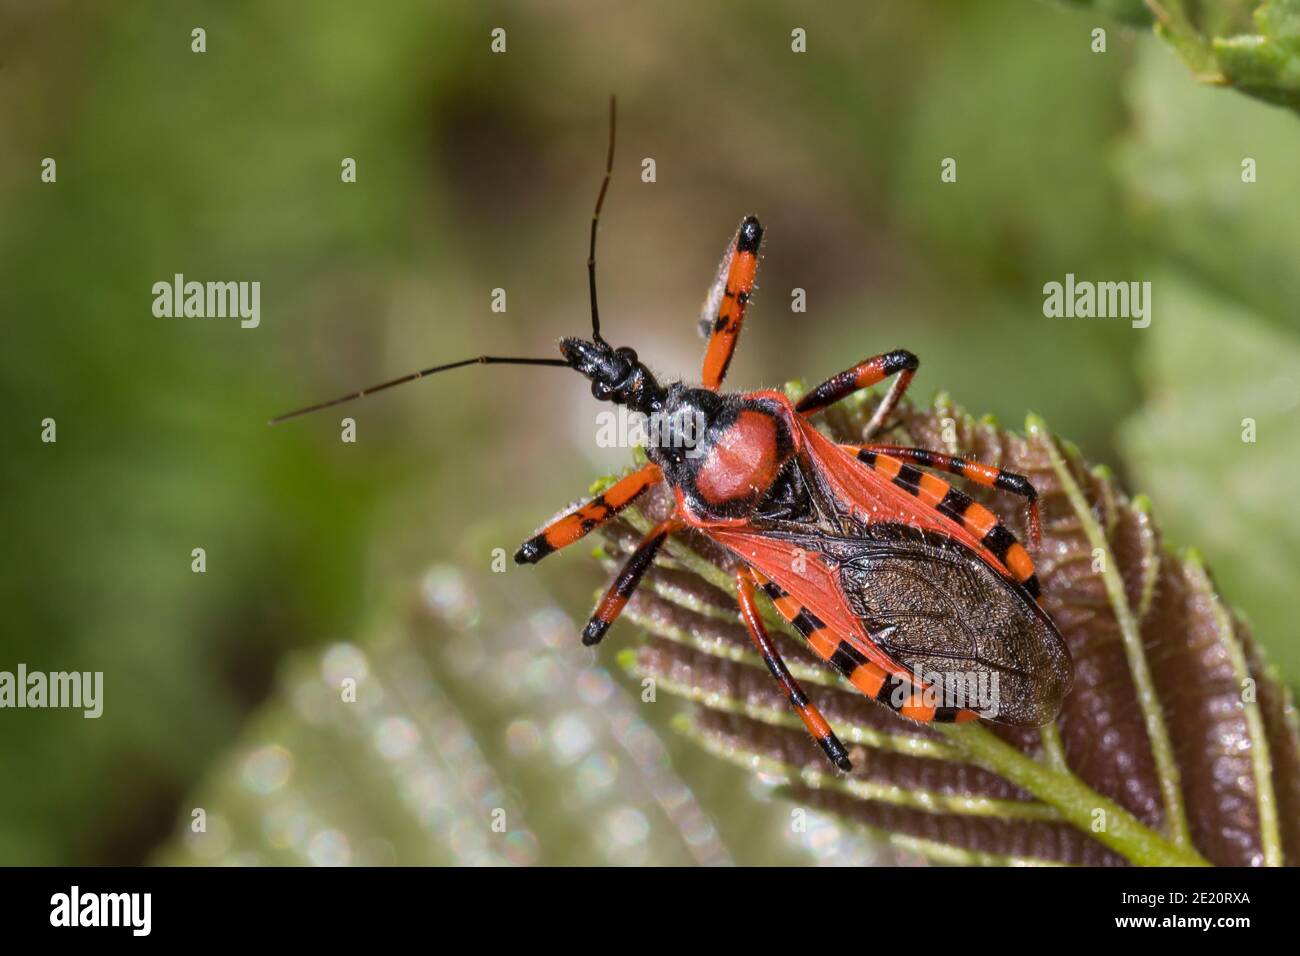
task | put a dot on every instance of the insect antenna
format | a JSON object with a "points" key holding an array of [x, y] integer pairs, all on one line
{"points": [[595, 220], [496, 359], [361, 393]]}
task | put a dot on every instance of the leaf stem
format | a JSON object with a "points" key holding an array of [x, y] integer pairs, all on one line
{"points": [[1074, 799], [1053, 749]]}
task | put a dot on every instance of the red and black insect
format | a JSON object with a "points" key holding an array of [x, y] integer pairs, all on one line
{"points": [[914, 592]]}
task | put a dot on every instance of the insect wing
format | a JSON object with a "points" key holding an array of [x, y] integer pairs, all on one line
{"points": [[795, 564], [944, 613], [916, 602]]}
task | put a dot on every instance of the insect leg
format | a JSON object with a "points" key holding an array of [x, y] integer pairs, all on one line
{"points": [[805, 708], [615, 599], [958, 506], [863, 375], [725, 306], [587, 517], [893, 687], [990, 476]]}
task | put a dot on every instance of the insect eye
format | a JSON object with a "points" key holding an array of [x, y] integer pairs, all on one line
{"points": [[627, 354]]}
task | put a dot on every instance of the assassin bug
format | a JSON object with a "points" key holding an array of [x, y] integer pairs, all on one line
{"points": [[896, 578]]}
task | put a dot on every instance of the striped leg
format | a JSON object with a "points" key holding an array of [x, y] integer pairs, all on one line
{"points": [[724, 309], [806, 709], [863, 375], [893, 688], [991, 476], [589, 516], [615, 599], [959, 507]]}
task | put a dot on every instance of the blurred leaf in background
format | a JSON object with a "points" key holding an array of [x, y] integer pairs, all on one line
{"points": [[1216, 442], [558, 767]]}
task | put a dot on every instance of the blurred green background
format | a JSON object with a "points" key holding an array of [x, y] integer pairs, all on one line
{"points": [[477, 171]]}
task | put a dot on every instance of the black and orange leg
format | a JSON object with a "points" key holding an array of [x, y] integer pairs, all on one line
{"points": [[728, 299], [991, 476], [805, 708], [982, 523], [587, 517], [893, 688], [616, 598], [865, 374]]}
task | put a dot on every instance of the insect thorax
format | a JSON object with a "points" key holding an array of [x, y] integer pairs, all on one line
{"points": [[724, 453]]}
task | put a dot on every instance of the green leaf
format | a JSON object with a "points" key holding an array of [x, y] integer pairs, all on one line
{"points": [[1266, 64], [1254, 48]]}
